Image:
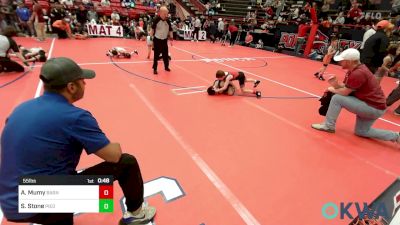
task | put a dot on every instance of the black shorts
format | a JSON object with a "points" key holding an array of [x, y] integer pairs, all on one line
{"points": [[241, 78]]}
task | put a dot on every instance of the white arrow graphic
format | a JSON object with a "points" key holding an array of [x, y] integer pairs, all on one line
{"points": [[167, 187]]}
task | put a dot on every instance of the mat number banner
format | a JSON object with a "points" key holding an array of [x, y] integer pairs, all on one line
{"points": [[187, 35], [105, 30]]}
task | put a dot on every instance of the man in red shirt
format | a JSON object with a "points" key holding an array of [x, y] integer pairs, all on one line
{"points": [[38, 20], [234, 32], [360, 94]]}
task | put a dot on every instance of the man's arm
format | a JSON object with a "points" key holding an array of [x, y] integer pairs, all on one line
{"points": [[341, 91], [110, 153]]}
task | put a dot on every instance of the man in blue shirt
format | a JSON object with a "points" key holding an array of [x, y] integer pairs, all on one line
{"points": [[46, 135], [24, 14]]}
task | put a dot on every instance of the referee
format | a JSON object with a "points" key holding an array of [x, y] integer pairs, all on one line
{"points": [[160, 30]]}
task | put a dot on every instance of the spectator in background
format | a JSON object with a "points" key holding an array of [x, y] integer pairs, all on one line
{"points": [[367, 34], [206, 25], [81, 15], [92, 15], [354, 13], [383, 71], [62, 28], [221, 27], [365, 20], [339, 19], [295, 14], [302, 34], [197, 26], [188, 22], [57, 12], [47, 21], [325, 26], [105, 3], [233, 29], [104, 20], [175, 29], [375, 47], [141, 23], [325, 9], [115, 17], [128, 3], [24, 14], [265, 25], [68, 3], [87, 3], [313, 13], [269, 12], [139, 32], [213, 31], [312, 10], [38, 20], [248, 40]]}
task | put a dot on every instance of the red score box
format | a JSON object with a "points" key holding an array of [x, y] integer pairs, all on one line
{"points": [[105, 191]]}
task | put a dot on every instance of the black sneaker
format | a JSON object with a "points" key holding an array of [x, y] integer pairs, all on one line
{"points": [[321, 78], [316, 75], [256, 83], [155, 72], [136, 52], [258, 94], [167, 69]]}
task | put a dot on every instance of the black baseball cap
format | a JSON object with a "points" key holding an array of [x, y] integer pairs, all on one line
{"points": [[61, 71]]}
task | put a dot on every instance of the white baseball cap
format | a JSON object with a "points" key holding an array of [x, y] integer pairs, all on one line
{"points": [[348, 54]]}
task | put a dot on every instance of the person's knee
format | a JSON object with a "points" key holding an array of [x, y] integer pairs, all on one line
{"points": [[337, 98], [127, 159]]}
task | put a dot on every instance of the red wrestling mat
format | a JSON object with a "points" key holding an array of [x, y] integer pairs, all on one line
{"points": [[223, 160]]}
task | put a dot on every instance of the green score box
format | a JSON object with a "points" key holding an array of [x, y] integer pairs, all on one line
{"points": [[106, 205]]}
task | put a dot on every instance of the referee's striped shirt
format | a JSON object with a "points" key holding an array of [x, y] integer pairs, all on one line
{"points": [[161, 28]]}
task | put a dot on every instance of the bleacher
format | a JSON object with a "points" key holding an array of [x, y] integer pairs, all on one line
{"points": [[104, 10]]}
